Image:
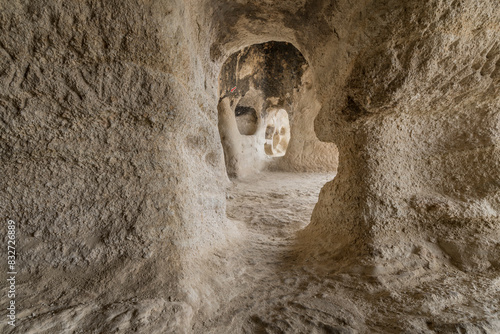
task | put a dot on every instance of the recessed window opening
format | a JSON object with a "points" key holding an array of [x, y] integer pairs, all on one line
{"points": [[246, 120], [277, 133]]}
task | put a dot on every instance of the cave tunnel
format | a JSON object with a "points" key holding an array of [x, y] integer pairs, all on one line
{"points": [[268, 104], [210, 167]]}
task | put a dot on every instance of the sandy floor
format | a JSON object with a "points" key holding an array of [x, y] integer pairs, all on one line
{"points": [[276, 294], [264, 289]]}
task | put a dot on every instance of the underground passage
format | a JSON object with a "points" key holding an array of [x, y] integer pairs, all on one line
{"points": [[197, 166], [267, 106]]}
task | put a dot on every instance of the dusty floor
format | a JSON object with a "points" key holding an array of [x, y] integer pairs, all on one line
{"points": [[276, 294], [269, 291]]}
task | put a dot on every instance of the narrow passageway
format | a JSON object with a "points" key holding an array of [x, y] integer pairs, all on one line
{"points": [[275, 295]]}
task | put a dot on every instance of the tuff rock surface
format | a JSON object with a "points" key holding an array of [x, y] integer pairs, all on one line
{"points": [[113, 169]]}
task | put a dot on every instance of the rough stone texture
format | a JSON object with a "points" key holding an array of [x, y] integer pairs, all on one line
{"points": [[254, 81], [111, 159], [274, 69], [305, 152], [113, 168], [257, 80], [418, 109]]}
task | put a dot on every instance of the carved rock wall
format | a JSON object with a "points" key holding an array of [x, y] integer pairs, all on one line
{"points": [[113, 169], [417, 130], [112, 165]]}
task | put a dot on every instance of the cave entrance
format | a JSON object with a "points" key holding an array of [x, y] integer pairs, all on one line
{"points": [[266, 111], [278, 166]]}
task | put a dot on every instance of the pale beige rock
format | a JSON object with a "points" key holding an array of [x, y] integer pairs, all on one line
{"points": [[113, 169], [256, 82]]}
